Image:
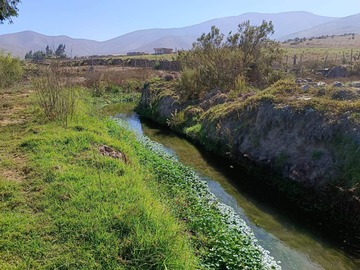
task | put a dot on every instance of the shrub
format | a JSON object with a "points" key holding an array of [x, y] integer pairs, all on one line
{"points": [[56, 95], [10, 70], [213, 68], [247, 54], [189, 85]]}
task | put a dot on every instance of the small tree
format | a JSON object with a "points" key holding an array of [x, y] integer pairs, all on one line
{"points": [[29, 55], [60, 51], [259, 51], [39, 55], [48, 51], [8, 9], [250, 39]]}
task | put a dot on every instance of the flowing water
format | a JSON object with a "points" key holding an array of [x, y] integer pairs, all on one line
{"points": [[288, 240]]}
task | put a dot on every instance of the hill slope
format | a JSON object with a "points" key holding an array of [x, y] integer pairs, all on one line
{"points": [[350, 24], [146, 40], [20, 43]]}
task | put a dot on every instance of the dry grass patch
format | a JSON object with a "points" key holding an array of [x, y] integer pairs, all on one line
{"points": [[13, 105], [14, 114]]}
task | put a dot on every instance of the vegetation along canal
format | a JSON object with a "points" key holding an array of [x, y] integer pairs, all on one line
{"points": [[287, 238]]}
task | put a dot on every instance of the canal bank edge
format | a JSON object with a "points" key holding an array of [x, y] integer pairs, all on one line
{"points": [[307, 147], [229, 241]]}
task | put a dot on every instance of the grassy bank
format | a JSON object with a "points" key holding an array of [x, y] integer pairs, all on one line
{"points": [[73, 208], [66, 203]]}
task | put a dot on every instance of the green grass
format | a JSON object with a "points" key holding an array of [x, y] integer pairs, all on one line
{"points": [[73, 208]]}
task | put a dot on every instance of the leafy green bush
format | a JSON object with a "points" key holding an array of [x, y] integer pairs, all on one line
{"points": [[10, 70], [210, 68]]}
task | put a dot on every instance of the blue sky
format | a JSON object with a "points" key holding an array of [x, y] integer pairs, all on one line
{"points": [[102, 20]]}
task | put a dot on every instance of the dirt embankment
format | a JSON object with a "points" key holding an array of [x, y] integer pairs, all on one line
{"points": [[309, 154]]}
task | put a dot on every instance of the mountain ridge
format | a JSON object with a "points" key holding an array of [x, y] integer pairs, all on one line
{"points": [[285, 24], [348, 24]]}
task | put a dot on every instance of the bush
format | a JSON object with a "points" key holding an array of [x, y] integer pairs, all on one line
{"points": [[56, 95], [10, 70], [189, 85], [246, 57], [212, 68]]}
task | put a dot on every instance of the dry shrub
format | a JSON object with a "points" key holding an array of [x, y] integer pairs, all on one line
{"points": [[56, 94]]}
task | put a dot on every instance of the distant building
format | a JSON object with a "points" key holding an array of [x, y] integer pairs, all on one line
{"points": [[163, 51], [136, 53]]}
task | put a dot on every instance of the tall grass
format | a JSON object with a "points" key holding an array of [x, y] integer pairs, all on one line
{"points": [[56, 95]]}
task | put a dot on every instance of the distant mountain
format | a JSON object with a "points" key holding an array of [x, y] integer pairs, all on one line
{"points": [[285, 24], [182, 38], [350, 24], [20, 43]]}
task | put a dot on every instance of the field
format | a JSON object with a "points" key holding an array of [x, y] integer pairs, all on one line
{"points": [[322, 51]]}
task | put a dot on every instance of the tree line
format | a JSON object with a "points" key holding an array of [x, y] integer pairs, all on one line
{"points": [[48, 53]]}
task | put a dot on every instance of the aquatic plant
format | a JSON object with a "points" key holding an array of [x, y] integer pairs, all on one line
{"points": [[222, 238]]}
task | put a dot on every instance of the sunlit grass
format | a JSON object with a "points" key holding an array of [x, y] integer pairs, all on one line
{"points": [[77, 209]]}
